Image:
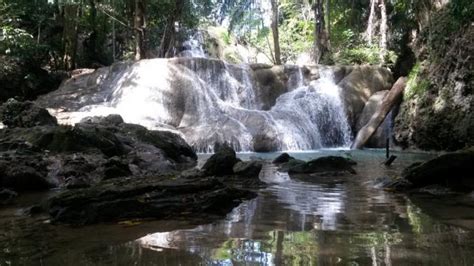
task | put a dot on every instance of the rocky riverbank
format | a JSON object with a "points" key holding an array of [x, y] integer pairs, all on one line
{"points": [[109, 170]]}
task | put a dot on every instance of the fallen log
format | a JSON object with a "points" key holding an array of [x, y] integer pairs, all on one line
{"points": [[392, 97]]}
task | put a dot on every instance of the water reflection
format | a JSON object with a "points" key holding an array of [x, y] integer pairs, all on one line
{"points": [[346, 222], [343, 222]]}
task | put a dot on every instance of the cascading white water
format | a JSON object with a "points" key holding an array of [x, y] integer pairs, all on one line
{"points": [[193, 46], [209, 101]]}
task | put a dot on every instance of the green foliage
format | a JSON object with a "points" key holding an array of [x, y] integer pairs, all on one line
{"points": [[297, 33], [19, 43], [416, 85], [361, 54]]}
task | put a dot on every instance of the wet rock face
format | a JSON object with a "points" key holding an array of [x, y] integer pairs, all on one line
{"points": [[150, 197]]}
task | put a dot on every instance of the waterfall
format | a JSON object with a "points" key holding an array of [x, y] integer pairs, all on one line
{"points": [[193, 46], [208, 101]]}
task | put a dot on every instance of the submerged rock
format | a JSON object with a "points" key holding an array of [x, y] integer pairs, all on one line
{"points": [[150, 197], [324, 164], [317, 170]]}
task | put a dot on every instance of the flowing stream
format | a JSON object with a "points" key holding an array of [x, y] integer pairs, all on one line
{"points": [[208, 101], [346, 221]]}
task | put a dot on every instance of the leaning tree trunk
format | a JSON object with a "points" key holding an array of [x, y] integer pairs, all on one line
{"points": [[139, 26], [388, 102], [383, 31], [276, 38]]}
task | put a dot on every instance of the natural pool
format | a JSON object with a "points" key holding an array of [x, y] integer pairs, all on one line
{"points": [[342, 221]]}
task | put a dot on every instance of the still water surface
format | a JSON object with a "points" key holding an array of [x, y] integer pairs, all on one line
{"points": [[342, 221]]}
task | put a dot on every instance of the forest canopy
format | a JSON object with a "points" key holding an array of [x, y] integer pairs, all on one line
{"points": [[68, 34]]}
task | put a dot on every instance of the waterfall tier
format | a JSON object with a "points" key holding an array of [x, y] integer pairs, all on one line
{"points": [[252, 107]]}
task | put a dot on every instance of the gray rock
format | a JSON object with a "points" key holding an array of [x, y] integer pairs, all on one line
{"points": [[454, 170], [81, 156], [282, 158], [151, 197], [25, 114], [323, 164], [248, 169], [221, 162]]}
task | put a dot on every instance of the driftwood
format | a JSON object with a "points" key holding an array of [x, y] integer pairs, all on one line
{"points": [[390, 99]]}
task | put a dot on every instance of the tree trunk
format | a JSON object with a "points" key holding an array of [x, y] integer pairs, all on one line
{"points": [[328, 23], [71, 16], [92, 42], [139, 26], [369, 34], [168, 38], [320, 34], [276, 38], [388, 102], [383, 31]]}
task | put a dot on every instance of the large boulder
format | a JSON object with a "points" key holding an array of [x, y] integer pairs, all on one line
{"points": [[453, 170], [25, 114], [94, 150], [151, 197], [361, 83], [378, 139], [221, 162]]}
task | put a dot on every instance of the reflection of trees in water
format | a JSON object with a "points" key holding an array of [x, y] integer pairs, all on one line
{"points": [[294, 223]]}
